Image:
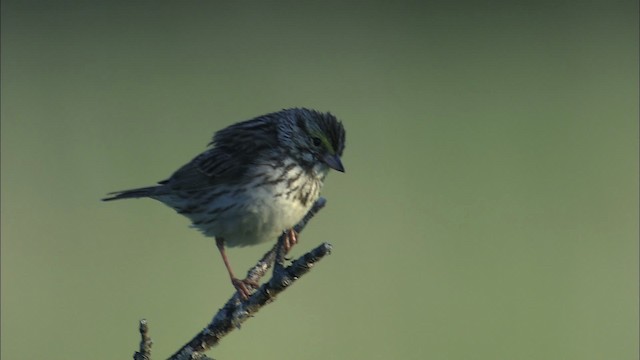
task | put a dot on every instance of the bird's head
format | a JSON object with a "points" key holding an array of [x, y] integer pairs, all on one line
{"points": [[315, 139]]}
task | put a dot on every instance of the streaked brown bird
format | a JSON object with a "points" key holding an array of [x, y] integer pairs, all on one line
{"points": [[257, 179]]}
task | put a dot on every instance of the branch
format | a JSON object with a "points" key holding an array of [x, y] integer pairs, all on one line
{"points": [[235, 311], [145, 343]]}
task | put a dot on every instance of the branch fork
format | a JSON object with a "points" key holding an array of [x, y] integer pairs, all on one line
{"points": [[236, 311]]}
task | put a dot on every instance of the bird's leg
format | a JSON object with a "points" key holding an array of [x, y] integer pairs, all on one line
{"points": [[290, 239], [242, 286]]}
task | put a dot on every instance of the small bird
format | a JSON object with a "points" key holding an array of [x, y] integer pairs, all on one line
{"points": [[257, 179]]}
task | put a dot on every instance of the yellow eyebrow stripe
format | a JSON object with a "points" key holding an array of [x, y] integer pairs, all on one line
{"points": [[325, 142]]}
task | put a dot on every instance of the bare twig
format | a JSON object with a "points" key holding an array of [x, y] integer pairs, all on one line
{"points": [[145, 342], [236, 311]]}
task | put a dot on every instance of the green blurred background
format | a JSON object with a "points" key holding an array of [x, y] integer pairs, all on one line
{"points": [[489, 209]]}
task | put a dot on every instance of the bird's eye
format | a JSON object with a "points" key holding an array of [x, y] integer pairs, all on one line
{"points": [[316, 141]]}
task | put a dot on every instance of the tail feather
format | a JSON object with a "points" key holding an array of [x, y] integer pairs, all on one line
{"points": [[132, 194]]}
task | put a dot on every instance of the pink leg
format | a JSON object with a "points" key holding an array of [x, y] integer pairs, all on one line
{"points": [[242, 286], [291, 238]]}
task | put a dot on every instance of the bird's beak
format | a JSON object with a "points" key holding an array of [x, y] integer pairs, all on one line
{"points": [[333, 161]]}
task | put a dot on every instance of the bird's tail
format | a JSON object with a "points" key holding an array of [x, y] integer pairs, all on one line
{"points": [[133, 193]]}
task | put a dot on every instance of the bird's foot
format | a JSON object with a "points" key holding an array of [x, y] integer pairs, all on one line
{"points": [[290, 239], [245, 287]]}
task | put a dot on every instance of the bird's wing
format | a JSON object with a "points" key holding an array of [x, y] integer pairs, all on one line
{"points": [[231, 153], [206, 170]]}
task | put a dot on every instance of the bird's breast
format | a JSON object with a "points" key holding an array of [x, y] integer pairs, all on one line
{"points": [[273, 201]]}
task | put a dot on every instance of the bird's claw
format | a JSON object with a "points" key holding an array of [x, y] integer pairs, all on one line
{"points": [[290, 239], [245, 287]]}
